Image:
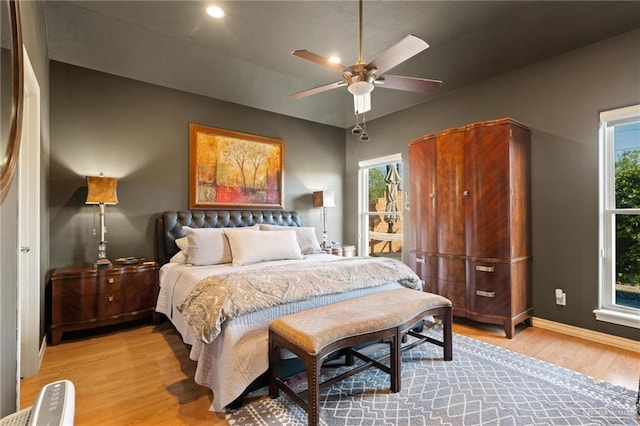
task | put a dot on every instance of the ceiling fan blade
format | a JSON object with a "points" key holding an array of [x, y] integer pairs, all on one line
{"points": [[398, 53], [318, 89], [320, 60], [411, 84]]}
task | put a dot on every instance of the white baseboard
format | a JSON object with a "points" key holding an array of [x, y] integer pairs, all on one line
{"points": [[583, 333]]}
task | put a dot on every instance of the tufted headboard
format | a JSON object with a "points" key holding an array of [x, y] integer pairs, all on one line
{"points": [[169, 224]]}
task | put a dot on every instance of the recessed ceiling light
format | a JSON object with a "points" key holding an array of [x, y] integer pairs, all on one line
{"points": [[215, 12], [334, 59]]}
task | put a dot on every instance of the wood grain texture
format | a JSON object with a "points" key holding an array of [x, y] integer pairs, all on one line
{"points": [[482, 216], [452, 282], [487, 183], [142, 375], [81, 297], [449, 193], [422, 212]]}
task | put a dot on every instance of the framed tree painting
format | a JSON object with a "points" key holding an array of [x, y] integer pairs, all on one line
{"points": [[234, 170]]}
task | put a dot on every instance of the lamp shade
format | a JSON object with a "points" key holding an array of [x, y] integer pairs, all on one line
{"points": [[101, 190], [324, 199]]}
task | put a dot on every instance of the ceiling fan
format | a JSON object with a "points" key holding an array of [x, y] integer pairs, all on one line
{"points": [[361, 78]]}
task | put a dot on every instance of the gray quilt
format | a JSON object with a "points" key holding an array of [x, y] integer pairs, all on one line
{"points": [[222, 297]]}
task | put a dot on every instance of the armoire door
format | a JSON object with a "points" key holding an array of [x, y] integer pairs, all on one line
{"points": [[422, 210], [487, 185], [422, 164], [450, 214], [449, 193]]}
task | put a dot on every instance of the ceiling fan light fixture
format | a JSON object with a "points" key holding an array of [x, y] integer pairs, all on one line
{"points": [[361, 104], [362, 77], [360, 88]]}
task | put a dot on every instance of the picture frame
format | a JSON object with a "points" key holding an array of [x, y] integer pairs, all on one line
{"points": [[230, 170]]}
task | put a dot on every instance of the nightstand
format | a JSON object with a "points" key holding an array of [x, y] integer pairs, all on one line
{"points": [[81, 297]]}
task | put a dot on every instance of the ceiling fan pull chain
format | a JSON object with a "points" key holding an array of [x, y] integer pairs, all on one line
{"points": [[364, 136]]}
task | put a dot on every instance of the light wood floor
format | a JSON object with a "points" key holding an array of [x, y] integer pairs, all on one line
{"points": [[142, 375]]}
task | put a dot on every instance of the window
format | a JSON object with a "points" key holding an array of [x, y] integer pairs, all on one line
{"points": [[620, 216], [381, 199]]}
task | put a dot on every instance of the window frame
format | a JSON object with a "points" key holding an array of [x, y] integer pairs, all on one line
{"points": [[608, 310], [363, 197]]}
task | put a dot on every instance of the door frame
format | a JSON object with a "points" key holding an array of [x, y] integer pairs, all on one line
{"points": [[30, 346]]}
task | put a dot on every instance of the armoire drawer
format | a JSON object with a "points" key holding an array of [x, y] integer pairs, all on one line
{"points": [[452, 282], [427, 270], [489, 288]]}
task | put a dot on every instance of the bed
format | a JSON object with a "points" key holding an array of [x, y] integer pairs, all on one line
{"points": [[224, 259]]}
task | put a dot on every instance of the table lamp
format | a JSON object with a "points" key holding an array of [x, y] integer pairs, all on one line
{"points": [[102, 191], [324, 199]]}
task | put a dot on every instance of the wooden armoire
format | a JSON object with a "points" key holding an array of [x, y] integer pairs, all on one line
{"points": [[470, 219]]}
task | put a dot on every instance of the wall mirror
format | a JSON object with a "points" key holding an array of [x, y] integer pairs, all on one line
{"points": [[11, 92]]}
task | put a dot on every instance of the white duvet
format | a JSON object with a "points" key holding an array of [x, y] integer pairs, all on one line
{"points": [[239, 354]]}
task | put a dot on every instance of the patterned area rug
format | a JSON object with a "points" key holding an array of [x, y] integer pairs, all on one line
{"points": [[483, 385]]}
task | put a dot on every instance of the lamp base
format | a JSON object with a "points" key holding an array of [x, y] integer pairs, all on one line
{"points": [[102, 263]]}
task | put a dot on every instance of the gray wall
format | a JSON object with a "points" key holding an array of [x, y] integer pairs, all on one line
{"points": [[560, 100], [34, 40], [139, 133]]}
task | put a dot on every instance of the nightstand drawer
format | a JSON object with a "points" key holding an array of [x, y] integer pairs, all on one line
{"points": [[109, 283], [110, 304], [75, 309], [74, 287]]}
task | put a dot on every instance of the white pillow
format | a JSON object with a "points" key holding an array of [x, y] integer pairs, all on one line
{"points": [[306, 237], [182, 243], [250, 247], [207, 246], [179, 257]]}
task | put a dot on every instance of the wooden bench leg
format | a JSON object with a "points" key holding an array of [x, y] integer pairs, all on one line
{"points": [[274, 366], [313, 383], [447, 333], [395, 361]]}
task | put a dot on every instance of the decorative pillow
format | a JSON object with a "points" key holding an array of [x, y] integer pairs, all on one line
{"points": [[249, 247], [182, 243], [207, 246], [179, 257], [306, 237]]}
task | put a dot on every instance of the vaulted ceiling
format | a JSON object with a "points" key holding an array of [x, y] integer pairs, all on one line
{"points": [[246, 57]]}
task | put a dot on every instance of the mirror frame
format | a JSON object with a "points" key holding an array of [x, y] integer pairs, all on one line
{"points": [[9, 160]]}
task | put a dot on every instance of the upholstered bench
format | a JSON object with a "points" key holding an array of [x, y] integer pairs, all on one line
{"points": [[314, 334]]}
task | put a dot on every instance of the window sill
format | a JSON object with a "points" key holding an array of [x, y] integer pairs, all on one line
{"points": [[617, 317]]}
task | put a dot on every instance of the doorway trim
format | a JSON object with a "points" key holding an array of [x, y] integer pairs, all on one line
{"points": [[30, 346]]}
